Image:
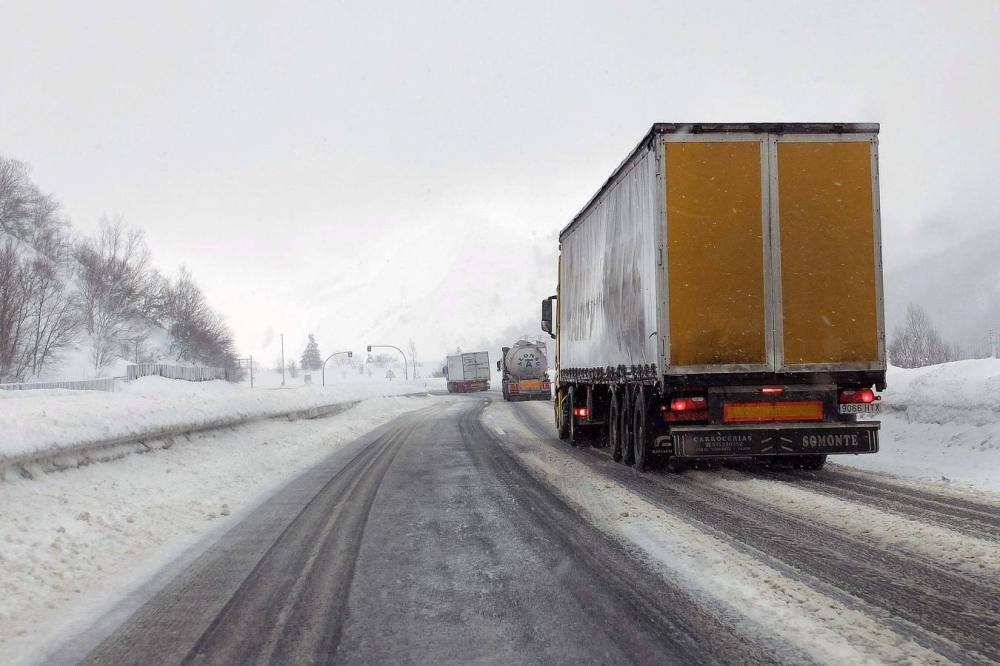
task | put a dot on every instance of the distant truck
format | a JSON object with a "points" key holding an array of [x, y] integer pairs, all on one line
{"points": [[468, 372], [524, 368], [720, 297]]}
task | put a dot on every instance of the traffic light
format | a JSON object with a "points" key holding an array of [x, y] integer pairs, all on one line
{"points": [[369, 348], [350, 354]]}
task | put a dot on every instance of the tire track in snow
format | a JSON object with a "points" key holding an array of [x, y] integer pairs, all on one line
{"points": [[930, 541], [240, 631], [922, 601], [964, 515]]}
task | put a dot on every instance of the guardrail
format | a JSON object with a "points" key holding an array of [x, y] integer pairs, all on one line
{"points": [[105, 384], [187, 373], [31, 465]]}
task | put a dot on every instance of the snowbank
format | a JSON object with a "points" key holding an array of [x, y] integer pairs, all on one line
{"points": [[41, 422], [940, 423]]}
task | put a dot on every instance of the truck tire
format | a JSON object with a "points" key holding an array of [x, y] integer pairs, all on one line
{"points": [[560, 408], [614, 426], [575, 435], [625, 428], [641, 435]]}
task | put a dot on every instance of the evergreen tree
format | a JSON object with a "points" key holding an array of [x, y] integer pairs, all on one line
{"points": [[311, 358]]}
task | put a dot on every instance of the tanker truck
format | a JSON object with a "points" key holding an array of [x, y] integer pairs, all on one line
{"points": [[524, 368], [720, 297]]}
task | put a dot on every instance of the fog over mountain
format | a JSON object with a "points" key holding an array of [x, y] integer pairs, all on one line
{"points": [[958, 286]]}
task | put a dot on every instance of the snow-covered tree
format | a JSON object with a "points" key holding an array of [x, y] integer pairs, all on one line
{"points": [[412, 348], [917, 343], [311, 358]]}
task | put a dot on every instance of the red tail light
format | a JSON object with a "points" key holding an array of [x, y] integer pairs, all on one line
{"points": [[772, 390], [513, 388], [688, 404], [859, 396], [580, 411]]}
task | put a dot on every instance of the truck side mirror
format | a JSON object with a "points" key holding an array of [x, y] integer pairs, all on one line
{"points": [[498, 366], [547, 315]]}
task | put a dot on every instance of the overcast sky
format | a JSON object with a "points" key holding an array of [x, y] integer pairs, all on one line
{"points": [[274, 146]]}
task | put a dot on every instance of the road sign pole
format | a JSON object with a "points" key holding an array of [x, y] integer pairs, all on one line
{"points": [[406, 367], [350, 354]]}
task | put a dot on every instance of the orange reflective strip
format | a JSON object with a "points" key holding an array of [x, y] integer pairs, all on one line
{"points": [[755, 412]]}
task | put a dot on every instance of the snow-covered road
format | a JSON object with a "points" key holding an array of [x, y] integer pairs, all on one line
{"points": [[845, 565], [74, 543], [467, 531]]}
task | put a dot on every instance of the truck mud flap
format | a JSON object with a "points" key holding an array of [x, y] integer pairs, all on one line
{"points": [[774, 440]]}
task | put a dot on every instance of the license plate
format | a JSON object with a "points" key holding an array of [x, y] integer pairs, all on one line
{"points": [[862, 408], [531, 385]]}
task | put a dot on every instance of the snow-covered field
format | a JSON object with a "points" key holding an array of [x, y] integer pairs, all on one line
{"points": [[39, 422], [74, 543], [940, 423]]}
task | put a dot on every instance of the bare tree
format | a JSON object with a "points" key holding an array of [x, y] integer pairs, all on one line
{"points": [[16, 193], [917, 343], [13, 313], [115, 282], [116, 296], [53, 316], [412, 348], [37, 314], [29, 215], [197, 333]]}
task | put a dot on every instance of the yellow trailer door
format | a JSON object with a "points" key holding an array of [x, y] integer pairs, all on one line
{"points": [[715, 192], [826, 231]]}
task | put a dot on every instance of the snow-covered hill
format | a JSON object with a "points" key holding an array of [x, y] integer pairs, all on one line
{"points": [[940, 424], [959, 287], [475, 290]]}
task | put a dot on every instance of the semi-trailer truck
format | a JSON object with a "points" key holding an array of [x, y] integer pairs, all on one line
{"points": [[524, 371], [468, 372], [720, 297]]}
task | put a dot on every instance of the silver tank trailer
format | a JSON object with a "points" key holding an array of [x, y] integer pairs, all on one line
{"points": [[526, 360]]}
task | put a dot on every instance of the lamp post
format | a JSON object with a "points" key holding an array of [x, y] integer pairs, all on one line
{"points": [[282, 359], [349, 355], [406, 369]]}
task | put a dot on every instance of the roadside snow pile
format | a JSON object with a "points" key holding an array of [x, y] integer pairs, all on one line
{"points": [[940, 423], [42, 422]]}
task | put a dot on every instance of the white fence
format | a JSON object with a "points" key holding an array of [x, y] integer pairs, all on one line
{"points": [[191, 374], [195, 374], [106, 384]]}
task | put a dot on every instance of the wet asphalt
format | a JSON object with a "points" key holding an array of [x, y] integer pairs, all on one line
{"points": [[423, 542]]}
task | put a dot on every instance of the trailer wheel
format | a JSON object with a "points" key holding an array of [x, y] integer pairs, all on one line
{"points": [[640, 432], [562, 414], [676, 466], [614, 426], [575, 434], [625, 427]]}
